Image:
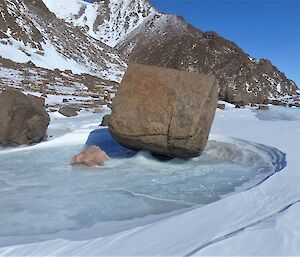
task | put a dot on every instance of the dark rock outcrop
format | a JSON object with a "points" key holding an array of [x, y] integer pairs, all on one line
{"points": [[23, 119], [166, 111]]}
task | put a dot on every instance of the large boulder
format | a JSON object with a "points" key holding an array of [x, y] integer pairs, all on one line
{"points": [[166, 111], [23, 119]]}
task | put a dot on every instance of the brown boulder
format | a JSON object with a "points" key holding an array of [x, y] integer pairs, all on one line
{"points": [[23, 119], [68, 111], [39, 101], [221, 106], [166, 111], [90, 157], [105, 120], [263, 107]]}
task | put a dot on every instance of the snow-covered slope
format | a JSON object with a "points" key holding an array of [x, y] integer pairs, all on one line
{"points": [[108, 20], [30, 32]]}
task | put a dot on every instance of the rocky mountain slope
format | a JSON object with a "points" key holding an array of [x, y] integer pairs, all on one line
{"points": [[107, 20], [170, 41], [144, 35], [59, 88], [30, 32], [100, 38]]}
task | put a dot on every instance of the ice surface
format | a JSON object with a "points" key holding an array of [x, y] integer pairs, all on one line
{"points": [[234, 225], [277, 113], [41, 194]]}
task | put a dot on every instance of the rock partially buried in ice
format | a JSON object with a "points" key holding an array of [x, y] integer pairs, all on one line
{"points": [[90, 157], [221, 106], [105, 120], [263, 108], [23, 119], [166, 111], [68, 111]]}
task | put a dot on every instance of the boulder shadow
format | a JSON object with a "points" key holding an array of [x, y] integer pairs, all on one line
{"points": [[103, 139]]}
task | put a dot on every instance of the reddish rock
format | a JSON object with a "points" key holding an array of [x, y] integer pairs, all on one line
{"points": [[90, 157]]}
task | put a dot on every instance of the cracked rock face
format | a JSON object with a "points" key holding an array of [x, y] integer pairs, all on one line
{"points": [[23, 119], [166, 111]]}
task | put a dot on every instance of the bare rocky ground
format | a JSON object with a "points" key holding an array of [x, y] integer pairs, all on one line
{"points": [[60, 88]]}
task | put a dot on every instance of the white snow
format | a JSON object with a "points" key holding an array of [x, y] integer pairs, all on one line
{"points": [[259, 221], [50, 60]]}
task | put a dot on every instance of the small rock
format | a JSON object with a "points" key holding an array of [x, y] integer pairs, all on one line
{"points": [[90, 157], [221, 106], [105, 120], [68, 72], [68, 111], [263, 107]]}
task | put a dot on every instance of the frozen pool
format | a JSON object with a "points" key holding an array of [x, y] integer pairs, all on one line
{"points": [[41, 194]]}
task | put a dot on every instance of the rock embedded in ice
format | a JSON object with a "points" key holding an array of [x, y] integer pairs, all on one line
{"points": [[68, 111], [263, 107], [105, 120], [23, 119], [166, 111], [221, 106], [90, 157]]}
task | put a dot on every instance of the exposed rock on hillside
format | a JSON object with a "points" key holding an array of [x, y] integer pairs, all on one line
{"points": [[80, 91], [79, 36], [23, 120], [109, 20], [170, 111], [30, 32]]}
